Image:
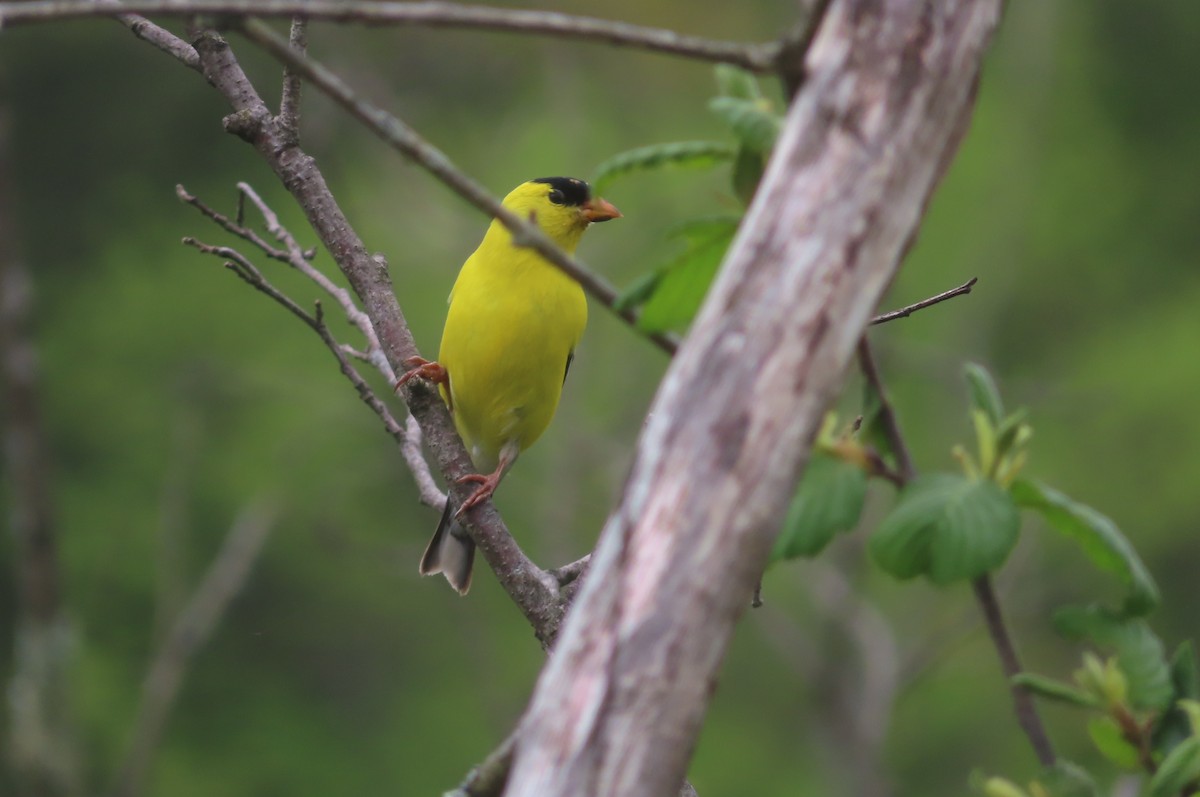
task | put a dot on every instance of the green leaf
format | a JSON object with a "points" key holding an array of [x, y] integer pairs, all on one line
{"points": [[1106, 735], [1066, 779], [638, 292], [752, 121], [1139, 652], [684, 282], [1099, 537], [1054, 690], [1173, 726], [734, 81], [829, 500], [1177, 770], [678, 154], [984, 395], [947, 527]]}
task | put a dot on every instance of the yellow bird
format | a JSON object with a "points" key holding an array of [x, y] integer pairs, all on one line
{"points": [[511, 332]]}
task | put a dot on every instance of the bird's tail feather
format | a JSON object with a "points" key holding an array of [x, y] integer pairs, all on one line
{"points": [[451, 552]]}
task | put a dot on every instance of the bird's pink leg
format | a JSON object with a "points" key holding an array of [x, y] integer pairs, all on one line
{"points": [[487, 482], [424, 369]]}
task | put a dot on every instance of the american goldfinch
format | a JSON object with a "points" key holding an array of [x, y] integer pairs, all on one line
{"points": [[511, 332]]}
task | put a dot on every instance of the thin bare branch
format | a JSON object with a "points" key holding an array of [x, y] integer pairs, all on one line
{"points": [[159, 37], [289, 98], [757, 57], [412, 145], [404, 436], [298, 260], [905, 312], [222, 582]]}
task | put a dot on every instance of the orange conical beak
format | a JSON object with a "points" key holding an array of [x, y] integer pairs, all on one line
{"points": [[598, 209]]}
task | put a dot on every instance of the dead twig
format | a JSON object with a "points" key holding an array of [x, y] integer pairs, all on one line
{"points": [[905, 312], [756, 57]]}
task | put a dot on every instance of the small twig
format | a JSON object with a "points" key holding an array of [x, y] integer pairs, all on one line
{"points": [[409, 438], [756, 57], [289, 98], [412, 145], [789, 59], [891, 426], [190, 632], [905, 312], [235, 225], [298, 259], [142, 28], [1027, 713], [881, 469], [1138, 736], [571, 572]]}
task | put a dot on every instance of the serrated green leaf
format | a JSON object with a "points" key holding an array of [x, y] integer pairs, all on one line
{"points": [[1054, 690], [1177, 770], [1138, 650], [984, 395], [734, 81], [754, 123], [1106, 735], [829, 501], [684, 282], [677, 154], [1099, 538], [1067, 779], [947, 527]]}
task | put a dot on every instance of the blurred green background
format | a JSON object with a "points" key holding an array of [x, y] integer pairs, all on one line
{"points": [[175, 396]]}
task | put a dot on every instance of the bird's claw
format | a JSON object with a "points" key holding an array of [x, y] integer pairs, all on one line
{"points": [[425, 369], [487, 485]]}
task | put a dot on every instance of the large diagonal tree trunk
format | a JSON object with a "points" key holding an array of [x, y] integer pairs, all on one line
{"points": [[888, 92]]}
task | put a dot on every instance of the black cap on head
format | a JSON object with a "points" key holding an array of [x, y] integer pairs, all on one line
{"points": [[566, 190]]}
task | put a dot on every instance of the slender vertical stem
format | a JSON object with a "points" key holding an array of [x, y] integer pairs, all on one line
{"points": [[1027, 714], [891, 425]]}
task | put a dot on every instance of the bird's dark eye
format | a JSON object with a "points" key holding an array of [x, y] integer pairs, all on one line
{"points": [[556, 196]]}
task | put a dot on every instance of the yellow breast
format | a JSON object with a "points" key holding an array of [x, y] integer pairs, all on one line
{"points": [[514, 322]]}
